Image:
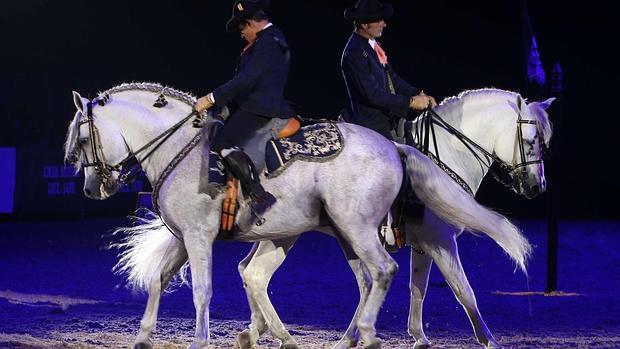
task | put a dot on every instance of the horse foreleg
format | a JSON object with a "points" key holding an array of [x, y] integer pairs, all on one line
{"points": [[438, 240], [351, 336], [256, 271], [420, 268], [247, 339], [174, 258], [200, 251]]}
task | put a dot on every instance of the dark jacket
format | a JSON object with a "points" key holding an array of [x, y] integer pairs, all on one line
{"points": [[371, 102], [258, 84]]}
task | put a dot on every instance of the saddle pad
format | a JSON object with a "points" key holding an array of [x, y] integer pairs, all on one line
{"points": [[314, 143]]}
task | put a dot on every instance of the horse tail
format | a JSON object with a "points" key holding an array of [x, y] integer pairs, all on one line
{"points": [[145, 249], [451, 203]]}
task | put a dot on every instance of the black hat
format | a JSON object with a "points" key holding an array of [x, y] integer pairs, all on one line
{"points": [[244, 10], [367, 11]]}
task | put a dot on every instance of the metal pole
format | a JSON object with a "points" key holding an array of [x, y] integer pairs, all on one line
{"points": [[553, 187]]}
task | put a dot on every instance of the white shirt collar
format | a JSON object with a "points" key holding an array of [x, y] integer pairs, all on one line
{"points": [[267, 26], [372, 43]]}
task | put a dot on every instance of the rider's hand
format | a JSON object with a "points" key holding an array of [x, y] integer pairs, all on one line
{"points": [[422, 101], [203, 103]]}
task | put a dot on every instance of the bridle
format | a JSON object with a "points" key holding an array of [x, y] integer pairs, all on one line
{"points": [[129, 167], [520, 167], [102, 169], [502, 171]]}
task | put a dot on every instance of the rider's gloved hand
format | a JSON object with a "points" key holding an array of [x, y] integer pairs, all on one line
{"points": [[422, 101], [204, 103]]}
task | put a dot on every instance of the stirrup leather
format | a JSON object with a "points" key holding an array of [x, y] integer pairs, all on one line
{"points": [[229, 208]]}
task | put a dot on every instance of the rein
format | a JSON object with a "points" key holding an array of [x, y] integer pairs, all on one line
{"points": [[128, 168], [502, 173]]}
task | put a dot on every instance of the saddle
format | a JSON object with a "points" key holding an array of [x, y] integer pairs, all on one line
{"points": [[318, 142], [229, 204]]}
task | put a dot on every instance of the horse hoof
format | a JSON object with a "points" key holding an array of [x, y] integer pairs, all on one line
{"points": [[345, 344], [147, 345], [422, 344], [376, 344], [244, 341], [493, 345]]}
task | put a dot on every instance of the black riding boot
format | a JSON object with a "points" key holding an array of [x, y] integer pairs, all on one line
{"points": [[242, 167]]}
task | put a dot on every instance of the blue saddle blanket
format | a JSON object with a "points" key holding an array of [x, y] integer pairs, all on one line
{"points": [[314, 143]]}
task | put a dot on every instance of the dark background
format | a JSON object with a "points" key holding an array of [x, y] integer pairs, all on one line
{"points": [[50, 48]]}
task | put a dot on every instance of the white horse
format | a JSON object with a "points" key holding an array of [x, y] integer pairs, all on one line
{"points": [[507, 130], [124, 121]]}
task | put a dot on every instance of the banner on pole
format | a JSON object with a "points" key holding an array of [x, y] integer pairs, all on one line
{"points": [[535, 71]]}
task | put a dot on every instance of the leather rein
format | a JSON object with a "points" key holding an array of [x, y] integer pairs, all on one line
{"points": [[503, 172]]}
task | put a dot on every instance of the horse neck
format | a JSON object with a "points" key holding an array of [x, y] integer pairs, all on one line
{"points": [[481, 120], [140, 125]]}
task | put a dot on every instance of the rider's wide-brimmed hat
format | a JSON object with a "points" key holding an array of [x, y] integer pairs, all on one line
{"points": [[367, 11], [244, 10]]}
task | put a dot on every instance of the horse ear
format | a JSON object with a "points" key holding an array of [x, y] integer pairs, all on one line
{"points": [[520, 103], [78, 101], [546, 104]]}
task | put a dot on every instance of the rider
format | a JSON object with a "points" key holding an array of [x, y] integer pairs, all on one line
{"points": [[255, 96], [378, 97]]}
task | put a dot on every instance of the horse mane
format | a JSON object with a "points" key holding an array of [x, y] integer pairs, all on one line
{"points": [[154, 87], [537, 111], [71, 153], [474, 94]]}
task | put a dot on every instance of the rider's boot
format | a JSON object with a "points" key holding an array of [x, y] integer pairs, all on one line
{"points": [[242, 167]]}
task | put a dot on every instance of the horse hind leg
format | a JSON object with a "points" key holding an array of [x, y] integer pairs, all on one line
{"points": [[439, 241], [351, 335], [256, 271], [382, 268], [174, 258], [418, 281]]}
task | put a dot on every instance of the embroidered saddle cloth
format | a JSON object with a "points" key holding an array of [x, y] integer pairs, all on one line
{"points": [[314, 143]]}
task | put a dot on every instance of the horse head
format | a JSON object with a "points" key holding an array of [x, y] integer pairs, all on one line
{"points": [[521, 146], [93, 143]]}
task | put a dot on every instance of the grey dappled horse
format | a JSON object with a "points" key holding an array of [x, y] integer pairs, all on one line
{"points": [[514, 133], [123, 121]]}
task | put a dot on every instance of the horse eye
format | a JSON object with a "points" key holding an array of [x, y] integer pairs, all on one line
{"points": [[82, 141]]}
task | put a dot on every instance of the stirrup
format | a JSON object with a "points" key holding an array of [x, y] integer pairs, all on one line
{"points": [[261, 202], [386, 233], [260, 220]]}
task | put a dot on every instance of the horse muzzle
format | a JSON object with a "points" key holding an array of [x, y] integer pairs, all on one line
{"points": [[101, 190]]}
